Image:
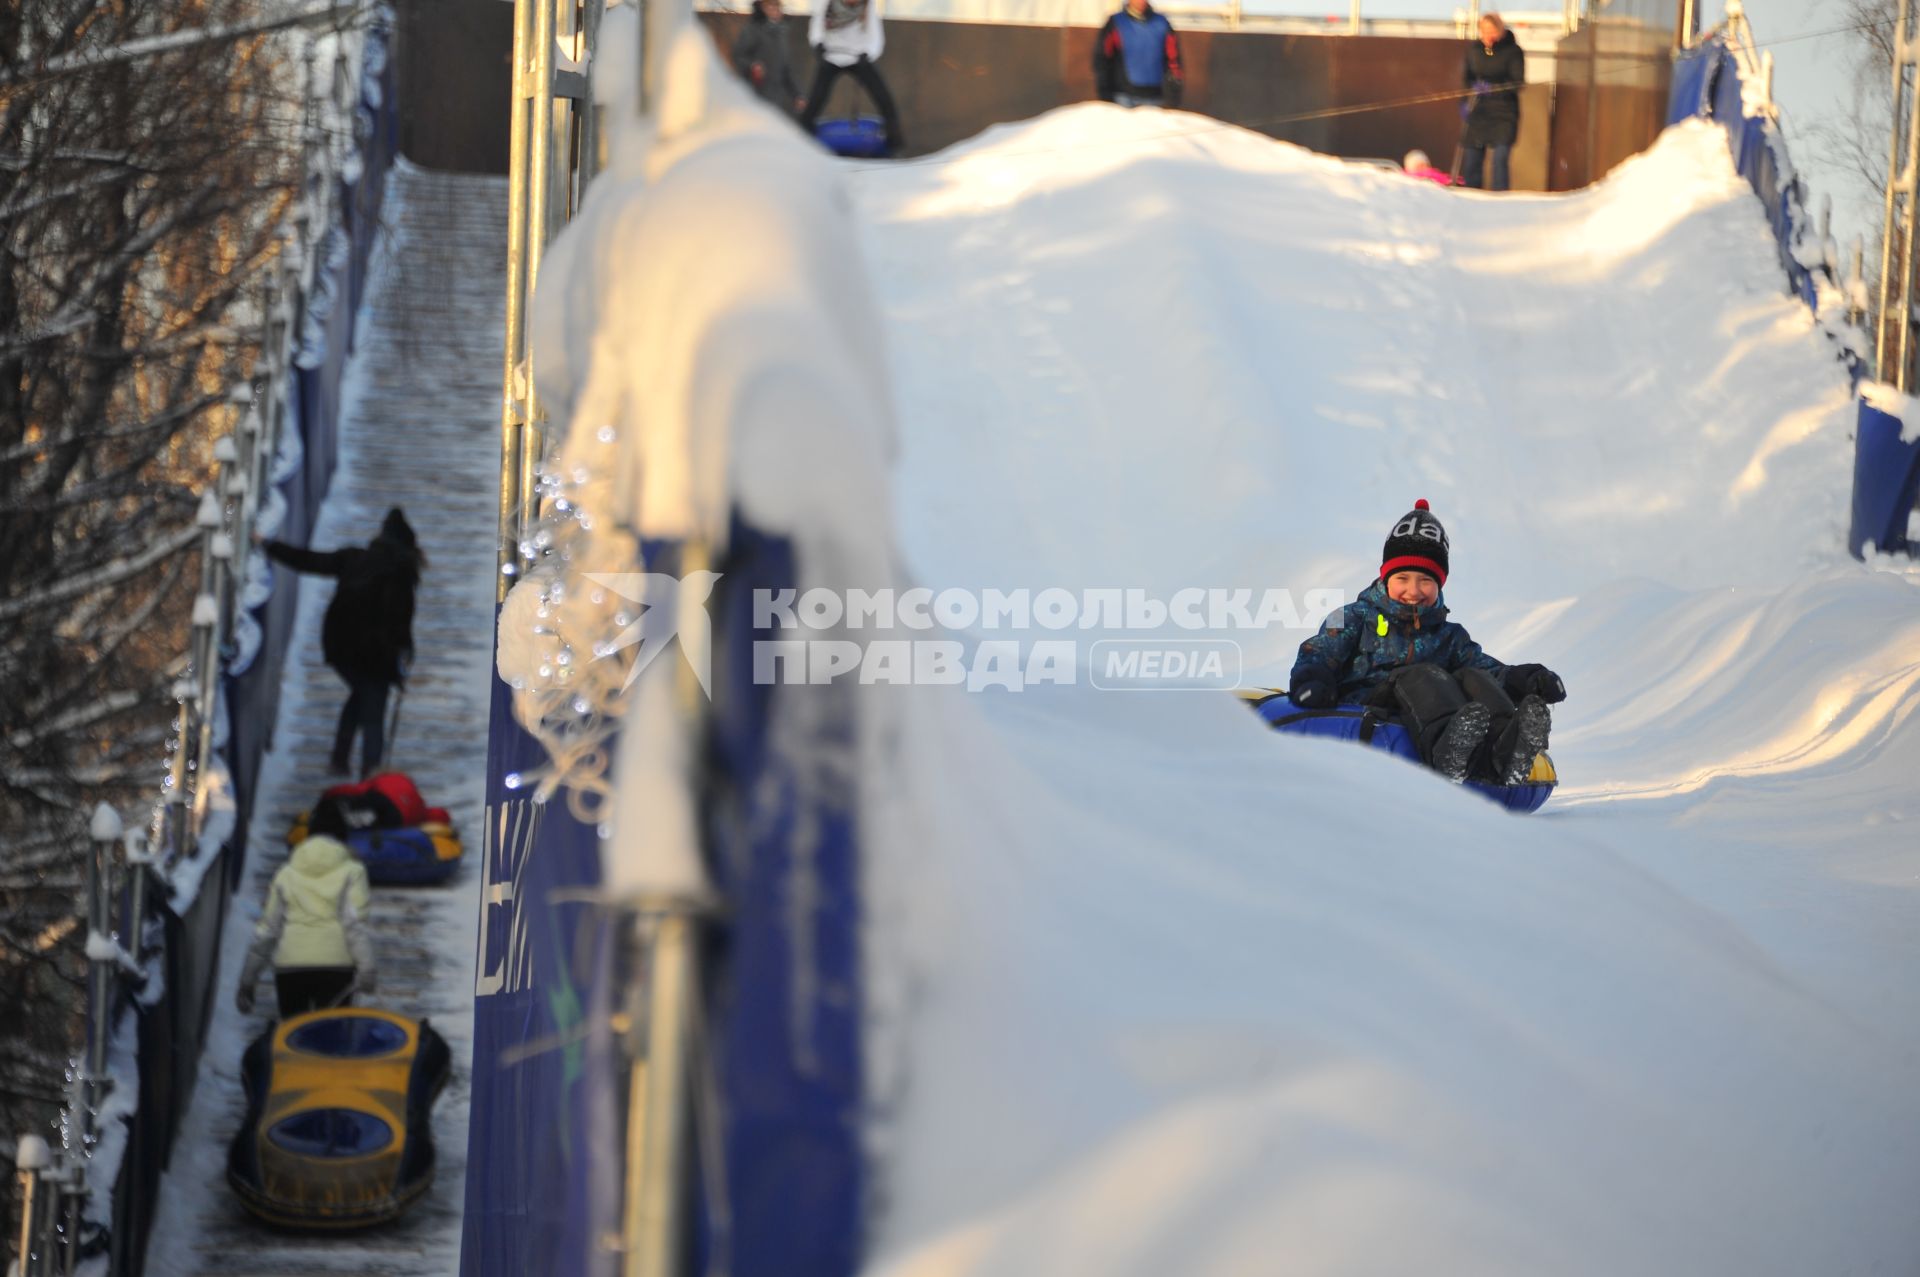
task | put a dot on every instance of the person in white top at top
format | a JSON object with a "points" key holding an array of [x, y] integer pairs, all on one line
{"points": [[846, 36]]}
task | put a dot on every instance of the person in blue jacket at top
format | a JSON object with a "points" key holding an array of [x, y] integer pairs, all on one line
{"points": [[1393, 648], [1136, 59]]}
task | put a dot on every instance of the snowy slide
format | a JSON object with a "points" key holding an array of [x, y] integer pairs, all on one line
{"points": [[1177, 996], [1152, 990]]}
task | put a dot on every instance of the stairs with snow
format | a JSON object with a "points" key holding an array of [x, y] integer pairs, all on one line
{"points": [[421, 432]]}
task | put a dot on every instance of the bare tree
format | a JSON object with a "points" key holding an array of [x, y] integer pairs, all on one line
{"points": [[138, 199], [1858, 144]]}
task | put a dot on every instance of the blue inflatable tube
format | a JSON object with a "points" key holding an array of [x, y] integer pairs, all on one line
{"points": [[863, 138], [1371, 727], [408, 856]]}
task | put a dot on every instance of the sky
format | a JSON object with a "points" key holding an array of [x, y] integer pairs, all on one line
{"points": [[1813, 77]]}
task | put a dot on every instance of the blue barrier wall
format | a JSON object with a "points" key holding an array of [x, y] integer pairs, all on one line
{"points": [[785, 980], [1706, 83], [779, 1192], [544, 1090], [1886, 483], [1886, 473]]}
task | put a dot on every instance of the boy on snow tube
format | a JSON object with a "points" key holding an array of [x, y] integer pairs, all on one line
{"points": [[1471, 717]]}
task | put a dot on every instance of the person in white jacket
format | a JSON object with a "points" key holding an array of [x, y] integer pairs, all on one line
{"points": [[313, 929], [846, 36]]}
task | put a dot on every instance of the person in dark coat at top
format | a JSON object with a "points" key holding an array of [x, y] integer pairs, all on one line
{"points": [[367, 636], [763, 57], [1495, 69], [1136, 58]]}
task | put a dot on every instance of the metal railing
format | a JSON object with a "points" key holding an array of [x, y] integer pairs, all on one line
{"points": [[555, 144], [127, 867], [1893, 337], [554, 148]]}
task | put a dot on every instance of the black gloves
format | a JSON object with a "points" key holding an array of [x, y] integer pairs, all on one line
{"points": [[820, 51], [1535, 680], [1311, 691], [862, 60], [1382, 697], [1171, 90]]}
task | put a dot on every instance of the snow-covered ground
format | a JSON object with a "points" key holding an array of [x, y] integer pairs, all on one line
{"points": [[419, 430]]}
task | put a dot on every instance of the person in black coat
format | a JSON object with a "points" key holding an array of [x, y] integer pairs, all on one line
{"points": [[1495, 69], [762, 57], [367, 636]]}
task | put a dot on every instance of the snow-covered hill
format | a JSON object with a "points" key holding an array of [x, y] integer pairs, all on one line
{"points": [[1170, 994], [1150, 989]]}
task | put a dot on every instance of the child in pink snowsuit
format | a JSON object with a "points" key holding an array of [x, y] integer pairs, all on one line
{"points": [[1417, 165]]}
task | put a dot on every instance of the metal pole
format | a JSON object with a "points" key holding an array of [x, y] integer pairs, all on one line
{"points": [[176, 795], [1903, 378], [72, 1207], [206, 616], [105, 831], [589, 113], [658, 1244], [30, 1161], [541, 203], [512, 406], [207, 518], [137, 858], [1856, 284], [231, 485], [1902, 56]]}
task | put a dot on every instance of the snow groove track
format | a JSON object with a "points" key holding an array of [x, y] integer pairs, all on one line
{"points": [[421, 413]]}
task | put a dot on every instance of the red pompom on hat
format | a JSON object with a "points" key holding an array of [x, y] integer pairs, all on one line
{"points": [[1418, 543]]}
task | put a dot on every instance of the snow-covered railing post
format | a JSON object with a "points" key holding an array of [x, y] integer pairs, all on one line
{"points": [[103, 948], [215, 549], [174, 799], [207, 518], [230, 482], [31, 1160], [138, 857], [245, 399]]}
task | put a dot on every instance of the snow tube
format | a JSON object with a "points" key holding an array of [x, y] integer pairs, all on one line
{"points": [[1383, 731], [400, 839], [861, 138], [337, 1133]]}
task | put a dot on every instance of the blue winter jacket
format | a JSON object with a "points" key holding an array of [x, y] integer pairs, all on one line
{"points": [[1369, 638], [1143, 47]]}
